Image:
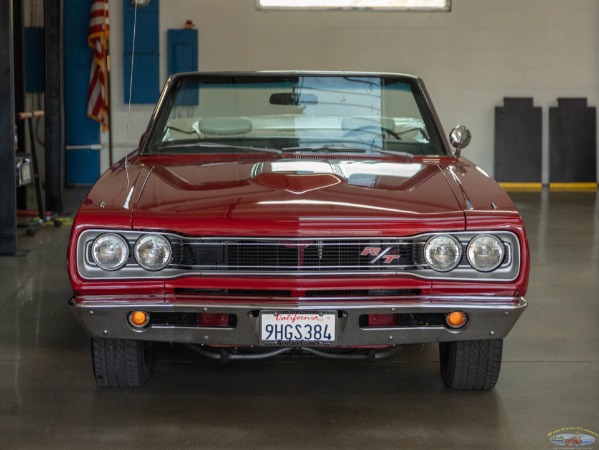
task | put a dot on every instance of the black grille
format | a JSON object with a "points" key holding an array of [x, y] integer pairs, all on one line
{"points": [[363, 293], [246, 255], [234, 292], [256, 256], [287, 293]]}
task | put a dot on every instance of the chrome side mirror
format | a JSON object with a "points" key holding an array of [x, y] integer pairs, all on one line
{"points": [[459, 138]]}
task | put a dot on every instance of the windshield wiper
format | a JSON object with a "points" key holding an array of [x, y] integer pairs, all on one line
{"points": [[346, 148], [218, 145]]}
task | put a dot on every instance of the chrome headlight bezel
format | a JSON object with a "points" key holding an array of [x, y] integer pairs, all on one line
{"points": [[498, 249], [116, 240], [435, 244], [160, 244]]}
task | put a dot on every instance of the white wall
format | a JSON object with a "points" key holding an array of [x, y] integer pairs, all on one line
{"points": [[470, 58]]}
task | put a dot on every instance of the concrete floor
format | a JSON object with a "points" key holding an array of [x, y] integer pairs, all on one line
{"points": [[549, 379]]}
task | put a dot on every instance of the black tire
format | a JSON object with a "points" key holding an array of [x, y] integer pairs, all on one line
{"points": [[471, 365], [121, 363]]}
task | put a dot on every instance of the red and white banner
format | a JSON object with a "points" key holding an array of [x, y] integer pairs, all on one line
{"points": [[97, 91]]}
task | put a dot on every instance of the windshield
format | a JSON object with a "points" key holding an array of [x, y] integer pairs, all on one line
{"points": [[216, 113]]}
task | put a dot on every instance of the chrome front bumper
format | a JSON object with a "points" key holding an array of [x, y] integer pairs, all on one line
{"points": [[489, 318]]}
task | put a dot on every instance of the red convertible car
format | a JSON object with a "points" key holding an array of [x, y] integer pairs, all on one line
{"points": [[297, 213]]}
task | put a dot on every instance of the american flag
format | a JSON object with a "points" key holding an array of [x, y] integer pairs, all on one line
{"points": [[97, 91]]}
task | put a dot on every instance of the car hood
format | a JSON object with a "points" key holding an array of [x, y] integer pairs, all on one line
{"points": [[297, 196]]}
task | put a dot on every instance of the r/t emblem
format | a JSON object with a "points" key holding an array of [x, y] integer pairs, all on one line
{"points": [[378, 253]]}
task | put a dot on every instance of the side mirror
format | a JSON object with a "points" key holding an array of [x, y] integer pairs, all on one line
{"points": [[459, 138]]}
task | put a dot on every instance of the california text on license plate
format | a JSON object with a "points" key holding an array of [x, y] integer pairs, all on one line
{"points": [[297, 327]]}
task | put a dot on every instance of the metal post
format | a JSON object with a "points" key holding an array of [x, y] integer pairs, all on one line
{"points": [[54, 104], [19, 77], [8, 220]]}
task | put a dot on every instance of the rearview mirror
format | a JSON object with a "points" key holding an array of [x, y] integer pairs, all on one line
{"points": [[286, 98]]}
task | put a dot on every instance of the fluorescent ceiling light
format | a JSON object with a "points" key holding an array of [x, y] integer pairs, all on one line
{"points": [[389, 4]]}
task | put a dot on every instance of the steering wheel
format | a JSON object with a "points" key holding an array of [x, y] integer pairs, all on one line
{"points": [[373, 130]]}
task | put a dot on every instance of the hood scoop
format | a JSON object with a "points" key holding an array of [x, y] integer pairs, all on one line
{"points": [[296, 183]]}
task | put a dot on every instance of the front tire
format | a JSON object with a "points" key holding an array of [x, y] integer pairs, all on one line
{"points": [[121, 363], [471, 365]]}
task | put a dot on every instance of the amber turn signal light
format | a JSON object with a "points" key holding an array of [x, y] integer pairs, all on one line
{"points": [[139, 319], [456, 319]]}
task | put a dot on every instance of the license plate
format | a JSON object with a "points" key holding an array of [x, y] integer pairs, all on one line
{"points": [[297, 328]]}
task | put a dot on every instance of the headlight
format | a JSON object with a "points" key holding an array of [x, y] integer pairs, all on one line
{"points": [[443, 252], [485, 252], [110, 251], [152, 252]]}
